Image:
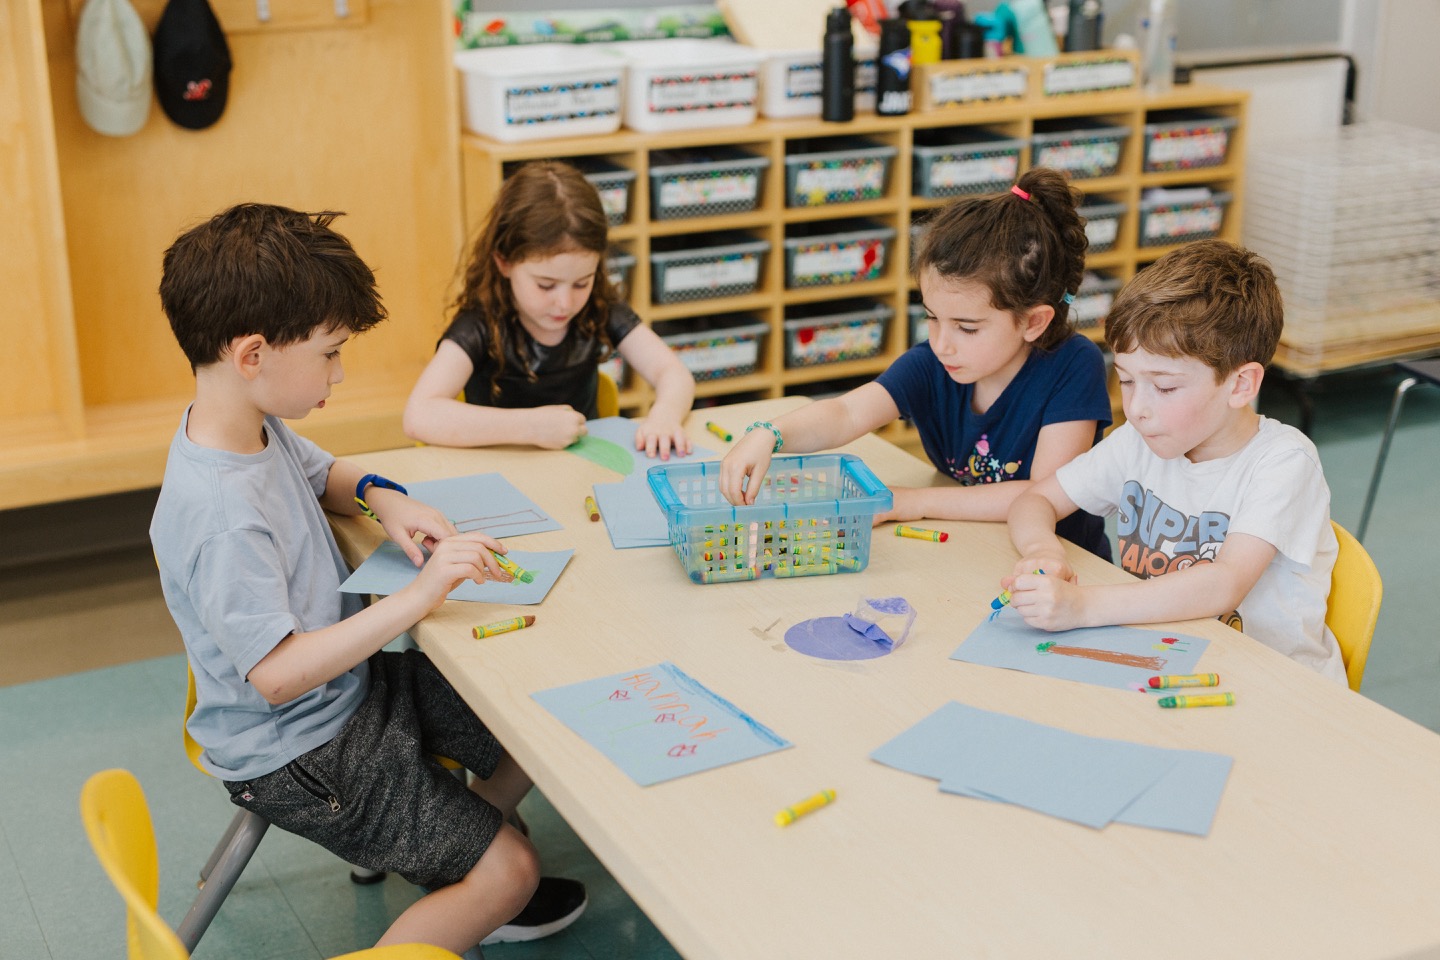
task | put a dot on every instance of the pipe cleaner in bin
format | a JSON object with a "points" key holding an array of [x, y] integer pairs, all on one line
{"points": [[811, 518]]}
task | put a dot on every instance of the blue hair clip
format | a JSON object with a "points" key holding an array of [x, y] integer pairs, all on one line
{"points": [[1069, 297]]}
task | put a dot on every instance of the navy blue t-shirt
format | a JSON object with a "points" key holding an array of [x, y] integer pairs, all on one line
{"points": [[1054, 386]]}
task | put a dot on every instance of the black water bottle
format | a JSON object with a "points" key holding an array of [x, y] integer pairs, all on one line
{"points": [[892, 69], [837, 69]]}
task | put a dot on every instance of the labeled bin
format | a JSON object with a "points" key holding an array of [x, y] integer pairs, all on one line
{"points": [[1093, 300], [704, 182], [726, 263], [1102, 225], [835, 251], [713, 348], [919, 322], [613, 182], [616, 369], [950, 162], [1186, 139], [549, 90], [790, 82], [619, 268], [1084, 149], [812, 516], [684, 84], [826, 170], [1165, 221], [835, 331]]}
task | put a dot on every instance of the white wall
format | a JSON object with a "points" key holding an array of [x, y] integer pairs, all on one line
{"points": [[1394, 46]]}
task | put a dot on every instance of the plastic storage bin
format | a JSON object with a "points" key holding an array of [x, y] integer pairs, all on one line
{"points": [[1102, 225], [812, 517], [726, 263], [717, 347], [919, 325], [828, 170], [684, 84], [1093, 300], [549, 90], [834, 331], [1167, 221], [1083, 149], [613, 182], [835, 251], [619, 268], [790, 82], [947, 163], [1184, 140], [616, 369], [704, 182]]}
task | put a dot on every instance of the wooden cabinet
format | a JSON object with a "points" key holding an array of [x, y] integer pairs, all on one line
{"points": [[355, 114], [485, 162]]}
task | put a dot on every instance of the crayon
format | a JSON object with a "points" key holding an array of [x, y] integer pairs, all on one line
{"points": [[1004, 597], [719, 431], [1199, 700], [1186, 680], [592, 508], [503, 626], [917, 533], [809, 805], [514, 569]]}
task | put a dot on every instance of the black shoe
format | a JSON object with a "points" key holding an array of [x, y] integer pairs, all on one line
{"points": [[557, 903]]}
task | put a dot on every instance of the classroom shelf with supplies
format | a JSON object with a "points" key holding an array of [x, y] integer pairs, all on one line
{"points": [[773, 256]]}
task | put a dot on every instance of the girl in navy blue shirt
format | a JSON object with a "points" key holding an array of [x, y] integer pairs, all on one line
{"points": [[1002, 393]]}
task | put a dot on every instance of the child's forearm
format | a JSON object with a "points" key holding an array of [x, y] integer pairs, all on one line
{"points": [[455, 423], [989, 501], [1032, 521], [1199, 591], [303, 661], [674, 394]]}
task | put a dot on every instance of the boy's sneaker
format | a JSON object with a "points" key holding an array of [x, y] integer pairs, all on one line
{"points": [[557, 903]]}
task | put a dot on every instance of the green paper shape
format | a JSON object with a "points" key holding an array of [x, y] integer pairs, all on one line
{"points": [[606, 453]]}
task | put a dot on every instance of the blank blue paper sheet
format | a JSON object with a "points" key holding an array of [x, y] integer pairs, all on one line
{"points": [[632, 516], [658, 723], [1089, 780]]}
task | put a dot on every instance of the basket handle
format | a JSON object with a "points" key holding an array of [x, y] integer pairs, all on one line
{"points": [[864, 476], [664, 492]]}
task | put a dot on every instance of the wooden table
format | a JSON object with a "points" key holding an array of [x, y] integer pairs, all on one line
{"points": [[1326, 843]]}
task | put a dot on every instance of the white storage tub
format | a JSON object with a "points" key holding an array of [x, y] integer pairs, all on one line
{"points": [[534, 92], [790, 82], [685, 84]]}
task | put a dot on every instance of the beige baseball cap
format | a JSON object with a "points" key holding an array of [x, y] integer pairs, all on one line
{"points": [[113, 59]]}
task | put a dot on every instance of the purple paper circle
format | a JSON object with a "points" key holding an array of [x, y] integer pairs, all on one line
{"points": [[830, 638]]}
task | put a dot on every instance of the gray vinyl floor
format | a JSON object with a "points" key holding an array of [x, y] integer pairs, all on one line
{"points": [[91, 677]]}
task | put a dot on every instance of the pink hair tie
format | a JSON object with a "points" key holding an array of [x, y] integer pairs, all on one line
{"points": [[1019, 193]]}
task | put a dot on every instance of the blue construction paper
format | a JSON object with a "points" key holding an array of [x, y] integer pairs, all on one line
{"points": [[1094, 781], [388, 570], [1006, 641], [657, 723], [486, 502], [1186, 798], [632, 515], [1087, 780]]}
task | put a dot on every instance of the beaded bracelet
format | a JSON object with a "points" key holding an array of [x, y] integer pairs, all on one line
{"points": [[779, 440]]}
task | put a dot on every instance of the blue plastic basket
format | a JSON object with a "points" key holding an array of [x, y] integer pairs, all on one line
{"points": [[812, 517]]}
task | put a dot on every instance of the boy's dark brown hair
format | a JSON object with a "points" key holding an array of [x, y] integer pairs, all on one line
{"points": [[1028, 252], [260, 268], [543, 209], [1210, 300]]}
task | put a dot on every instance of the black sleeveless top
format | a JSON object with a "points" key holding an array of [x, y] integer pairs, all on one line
{"points": [[564, 373]]}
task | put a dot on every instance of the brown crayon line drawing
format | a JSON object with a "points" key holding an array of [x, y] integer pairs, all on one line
{"points": [[514, 518], [1105, 656]]}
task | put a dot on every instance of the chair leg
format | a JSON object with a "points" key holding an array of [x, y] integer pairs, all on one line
{"points": [[1394, 418], [231, 855]]}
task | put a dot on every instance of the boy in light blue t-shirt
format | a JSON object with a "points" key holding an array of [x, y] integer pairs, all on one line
{"points": [[299, 711]]}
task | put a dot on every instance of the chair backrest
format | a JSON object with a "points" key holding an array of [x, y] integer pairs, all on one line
{"points": [[1354, 605], [117, 820], [607, 397], [192, 749]]}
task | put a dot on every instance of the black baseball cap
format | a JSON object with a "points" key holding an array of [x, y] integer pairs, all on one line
{"points": [[192, 64]]}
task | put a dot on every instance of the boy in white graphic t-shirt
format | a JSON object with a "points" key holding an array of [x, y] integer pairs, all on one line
{"points": [[1231, 507]]}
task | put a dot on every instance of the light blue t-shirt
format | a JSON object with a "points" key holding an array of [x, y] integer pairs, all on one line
{"points": [[247, 558]]}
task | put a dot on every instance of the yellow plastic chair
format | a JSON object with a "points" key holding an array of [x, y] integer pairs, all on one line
{"points": [[117, 820], [1354, 605], [607, 396]]}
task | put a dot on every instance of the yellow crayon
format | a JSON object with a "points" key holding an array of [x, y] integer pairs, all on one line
{"points": [[719, 431], [592, 508], [809, 805], [1185, 680], [1199, 700], [514, 569], [917, 533], [503, 626]]}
